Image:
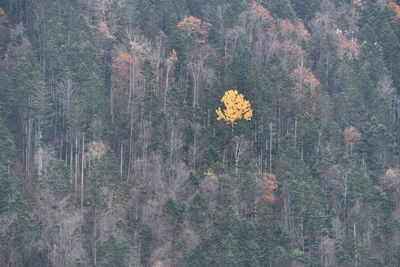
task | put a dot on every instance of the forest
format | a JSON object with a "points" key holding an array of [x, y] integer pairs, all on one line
{"points": [[199, 133]]}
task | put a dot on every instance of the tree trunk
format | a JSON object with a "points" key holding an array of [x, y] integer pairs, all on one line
{"points": [[76, 165], [71, 164], [194, 92], [194, 148], [166, 88], [82, 168], [270, 147], [130, 151], [95, 238], [121, 159]]}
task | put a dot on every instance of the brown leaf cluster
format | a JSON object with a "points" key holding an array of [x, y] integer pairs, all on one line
{"points": [[96, 149], [123, 60], [258, 13], [304, 80], [396, 9], [292, 53], [286, 27], [172, 57], [351, 136], [302, 31], [123, 65], [345, 46], [102, 28], [196, 27], [3, 16], [269, 185]]}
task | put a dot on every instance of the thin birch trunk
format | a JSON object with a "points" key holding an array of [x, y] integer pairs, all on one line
{"points": [[76, 166], [82, 168], [121, 159], [270, 147]]}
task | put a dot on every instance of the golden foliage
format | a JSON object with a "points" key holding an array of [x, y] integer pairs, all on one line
{"points": [[172, 57], [236, 107], [390, 172], [210, 174], [269, 185]]}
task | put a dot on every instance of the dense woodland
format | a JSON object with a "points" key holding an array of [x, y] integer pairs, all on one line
{"points": [[112, 152]]}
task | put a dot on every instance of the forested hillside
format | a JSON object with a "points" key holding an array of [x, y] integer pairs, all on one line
{"points": [[199, 133]]}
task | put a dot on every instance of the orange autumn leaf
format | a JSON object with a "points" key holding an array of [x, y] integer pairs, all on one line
{"points": [[345, 46], [396, 9], [195, 27], [269, 185], [123, 66]]}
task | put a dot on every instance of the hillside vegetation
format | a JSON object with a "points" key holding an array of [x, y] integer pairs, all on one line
{"points": [[199, 133]]}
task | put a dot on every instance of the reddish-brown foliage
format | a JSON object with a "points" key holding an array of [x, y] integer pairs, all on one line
{"points": [[257, 20], [123, 61], [124, 66], [302, 31], [3, 16], [352, 137], [259, 13], [104, 31], [269, 185], [313, 108], [138, 48], [304, 79], [231, 38], [292, 53], [275, 46], [346, 47], [396, 9], [196, 27], [286, 27]]}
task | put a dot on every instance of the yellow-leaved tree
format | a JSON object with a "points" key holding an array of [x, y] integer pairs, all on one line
{"points": [[236, 107]]}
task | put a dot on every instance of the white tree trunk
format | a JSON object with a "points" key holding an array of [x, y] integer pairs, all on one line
{"points": [[82, 168]]}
